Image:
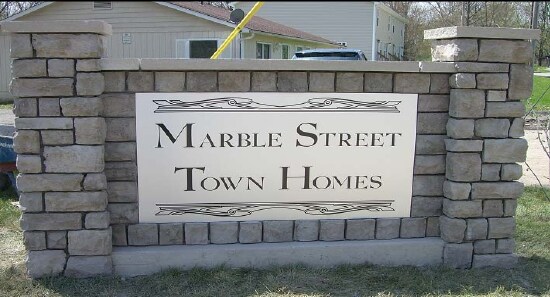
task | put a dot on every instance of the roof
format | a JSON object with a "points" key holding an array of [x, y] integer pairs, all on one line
{"points": [[255, 24]]}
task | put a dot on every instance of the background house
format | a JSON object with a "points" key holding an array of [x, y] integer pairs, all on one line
{"points": [[169, 30], [370, 26]]}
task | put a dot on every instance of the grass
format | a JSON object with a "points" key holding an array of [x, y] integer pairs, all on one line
{"points": [[530, 278], [6, 105], [540, 85]]}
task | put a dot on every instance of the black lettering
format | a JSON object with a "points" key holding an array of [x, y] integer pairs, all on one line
{"points": [[377, 179], [189, 171], [306, 134], [187, 127]]}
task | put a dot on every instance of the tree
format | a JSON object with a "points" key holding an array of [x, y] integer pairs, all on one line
{"points": [[9, 8]]}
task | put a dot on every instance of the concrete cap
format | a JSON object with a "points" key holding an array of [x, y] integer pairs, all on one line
{"points": [[97, 27], [120, 64], [482, 32]]}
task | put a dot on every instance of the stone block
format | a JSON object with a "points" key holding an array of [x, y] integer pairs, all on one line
{"points": [[90, 130], [61, 68], [120, 151], [95, 182], [278, 231], [429, 164], [141, 82], [68, 45], [49, 182], [492, 128], [51, 221], [306, 230], [505, 150], [31, 202], [202, 81], [493, 81], [490, 172], [428, 185], [500, 190], [169, 81], [516, 129], [476, 229], [510, 206], [123, 213], [234, 81], [505, 109], [170, 234], [463, 167], [521, 81], [57, 240], [505, 51], [44, 123], [426, 206], [119, 105], [431, 123], [505, 246], [34, 240], [49, 107], [29, 163], [430, 144], [458, 255], [452, 230], [500, 261], [25, 107], [45, 263], [331, 230], [121, 129], [481, 67], [292, 82], [196, 233], [89, 84], [360, 229], [486, 246], [35, 87], [321, 81], [119, 235], [28, 68], [79, 106], [122, 191], [88, 266], [75, 201], [463, 81], [387, 228], [378, 82], [439, 83], [433, 103], [121, 171], [460, 129], [456, 191], [454, 50], [464, 146], [432, 227], [73, 159], [224, 232], [143, 234], [501, 227], [415, 83], [57, 137], [349, 82], [21, 46], [264, 82], [88, 65], [467, 103], [114, 81], [496, 96], [493, 208], [413, 227], [250, 232], [462, 208], [90, 242], [97, 220]]}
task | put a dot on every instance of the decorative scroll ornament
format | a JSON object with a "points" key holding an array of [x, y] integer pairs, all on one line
{"points": [[234, 104], [243, 209]]}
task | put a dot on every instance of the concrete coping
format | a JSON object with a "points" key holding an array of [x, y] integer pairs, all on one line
{"points": [[120, 64], [97, 27], [482, 32]]}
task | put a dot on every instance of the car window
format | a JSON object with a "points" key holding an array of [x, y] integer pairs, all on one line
{"points": [[328, 54]]}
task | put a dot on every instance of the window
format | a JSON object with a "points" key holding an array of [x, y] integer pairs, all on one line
{"points": [[263, 50], [393, 29], [299, 48], [202, 48], [377, 20], [285, 51], [103, 5]]}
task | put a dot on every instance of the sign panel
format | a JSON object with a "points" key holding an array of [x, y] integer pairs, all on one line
{"points": [[274, 156]]}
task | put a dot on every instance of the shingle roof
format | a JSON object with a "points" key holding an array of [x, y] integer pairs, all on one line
{"points": [[255, 24]]}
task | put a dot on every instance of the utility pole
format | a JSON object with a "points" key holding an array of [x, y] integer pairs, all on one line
{"points": [[535, 25]]}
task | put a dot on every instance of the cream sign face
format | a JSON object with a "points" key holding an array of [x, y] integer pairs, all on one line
{"points": [[274, 156]]}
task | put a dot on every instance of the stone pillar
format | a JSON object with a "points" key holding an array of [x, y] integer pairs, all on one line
{"points": [[484, 140], [60, 145]]}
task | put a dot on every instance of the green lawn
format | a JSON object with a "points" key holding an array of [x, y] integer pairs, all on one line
{"points": [[8, 105], [529, 278], [540, 86]]}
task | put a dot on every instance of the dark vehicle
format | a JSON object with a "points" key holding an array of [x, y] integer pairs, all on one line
{"points": [[330, 54]]}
